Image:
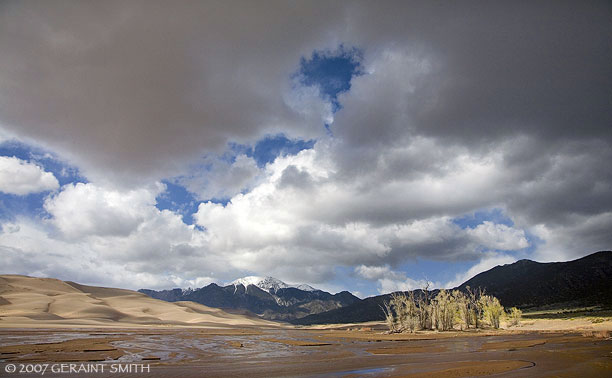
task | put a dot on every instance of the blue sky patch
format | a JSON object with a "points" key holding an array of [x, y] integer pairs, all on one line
{"points": [[472, 220], [31, 205], [266, 150], [63, 172], [176, 198], [331, 71], [269, 148]]}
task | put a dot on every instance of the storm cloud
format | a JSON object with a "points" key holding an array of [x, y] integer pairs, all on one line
{"points": [[458, 107]]}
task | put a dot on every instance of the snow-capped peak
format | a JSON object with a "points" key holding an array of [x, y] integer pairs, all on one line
{"points": [[268, 283], [305, 287], [246, 281]]}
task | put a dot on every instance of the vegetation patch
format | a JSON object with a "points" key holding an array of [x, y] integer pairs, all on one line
{"points": [[409, 313], [569, 313]]}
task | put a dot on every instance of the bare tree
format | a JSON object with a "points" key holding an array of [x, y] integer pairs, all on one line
{"points": [[473, 298], [424, 307], [389, 317], [410, 312], [404, 310], [465, 308], [446, 310]]}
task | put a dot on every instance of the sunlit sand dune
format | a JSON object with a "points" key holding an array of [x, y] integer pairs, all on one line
{"points": [[46, 302]]}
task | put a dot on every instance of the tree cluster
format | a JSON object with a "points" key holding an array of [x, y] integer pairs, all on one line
{"points": [[448, 309]]}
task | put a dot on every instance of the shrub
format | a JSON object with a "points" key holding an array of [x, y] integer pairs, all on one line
{"points": [[514, 316]]}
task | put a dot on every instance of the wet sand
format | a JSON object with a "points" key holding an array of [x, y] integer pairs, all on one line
{"points": [[259, 352]]}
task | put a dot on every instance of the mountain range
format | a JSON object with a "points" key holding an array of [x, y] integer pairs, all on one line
{"points": [[266, 297], [529, 284], [525, 284]]}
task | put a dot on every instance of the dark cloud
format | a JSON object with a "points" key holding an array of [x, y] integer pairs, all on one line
{"points": [[460, 106], [502, 68], [137, 88], [561, 181]]}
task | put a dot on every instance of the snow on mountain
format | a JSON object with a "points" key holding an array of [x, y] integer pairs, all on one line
{"points": [[246, 281], [305, 287], [268, 283]]}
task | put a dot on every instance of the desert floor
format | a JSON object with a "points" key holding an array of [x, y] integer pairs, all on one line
{"points": [[347, 351], [69, 329]]}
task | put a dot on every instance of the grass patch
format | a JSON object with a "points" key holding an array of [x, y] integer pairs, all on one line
{"points": [[603, 314]]}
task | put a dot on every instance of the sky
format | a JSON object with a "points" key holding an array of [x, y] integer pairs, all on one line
{"points": [[349, 145]]}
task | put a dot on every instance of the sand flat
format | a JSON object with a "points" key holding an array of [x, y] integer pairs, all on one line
{"points": [[406, 349], [278, 352], [513, 345], [50, 321], [296, 342], [80, 349], [471, 369]]}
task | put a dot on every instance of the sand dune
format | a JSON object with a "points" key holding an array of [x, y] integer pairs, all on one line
{"points": [[46, 302]]}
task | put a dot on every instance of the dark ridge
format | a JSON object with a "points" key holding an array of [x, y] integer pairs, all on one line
{"points": [[583, 282], [525, 284]]}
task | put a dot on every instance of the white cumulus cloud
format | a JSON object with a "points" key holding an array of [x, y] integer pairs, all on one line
{"points": [[86, 209], [20, 177], [498, 236], [389, 280]]}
